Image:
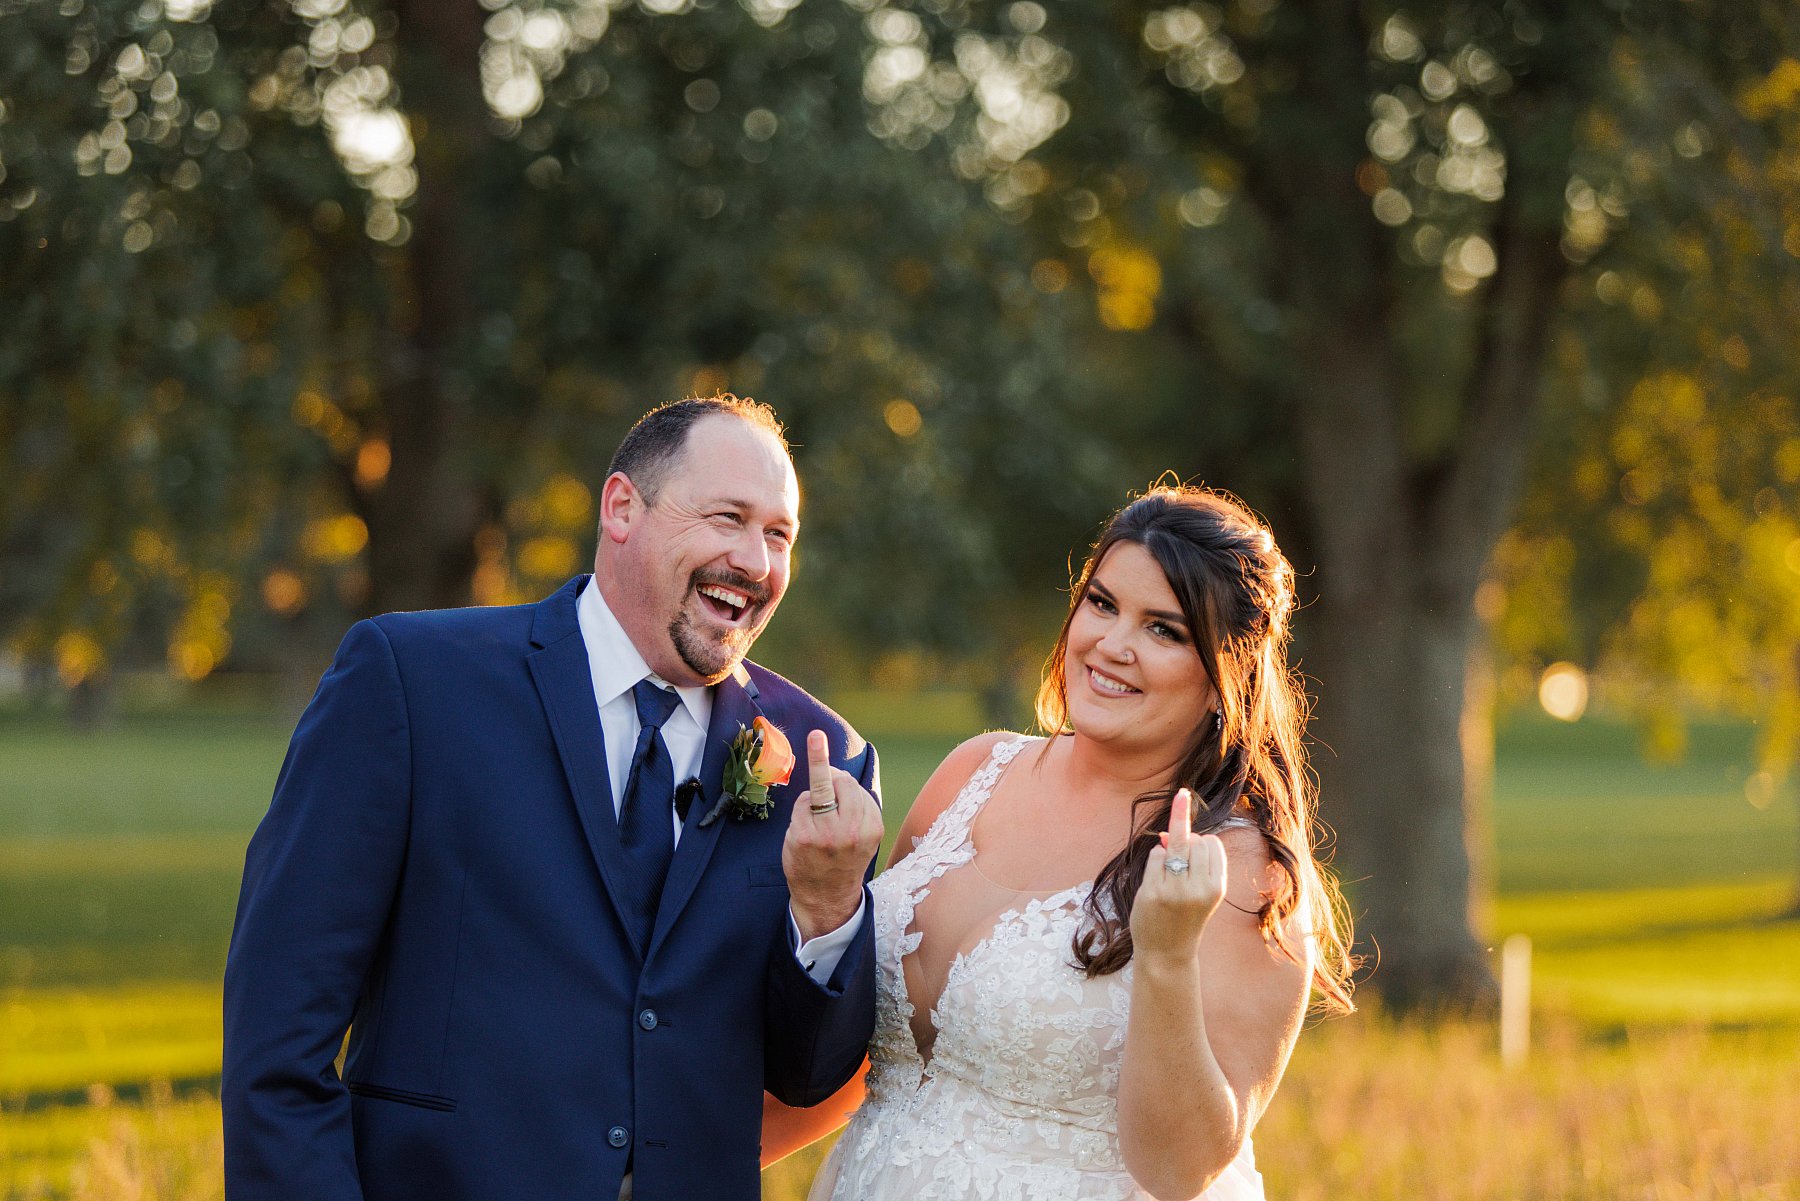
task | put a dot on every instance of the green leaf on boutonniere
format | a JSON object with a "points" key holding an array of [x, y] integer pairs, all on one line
{"points": [[741, 793]]}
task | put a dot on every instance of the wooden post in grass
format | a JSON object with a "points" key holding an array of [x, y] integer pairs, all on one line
{"points": [[1515, 999]]}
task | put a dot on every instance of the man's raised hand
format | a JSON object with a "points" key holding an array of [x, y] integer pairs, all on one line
{"points": [[833, 834]]}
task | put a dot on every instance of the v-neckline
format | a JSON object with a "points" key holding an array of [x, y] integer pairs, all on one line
{"points": [[975, 795], [1008, 917]]}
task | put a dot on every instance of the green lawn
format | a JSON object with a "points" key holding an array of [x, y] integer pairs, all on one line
{"points": [[120, 850], [1575, 807], [1651, 893], [1727, 954]]}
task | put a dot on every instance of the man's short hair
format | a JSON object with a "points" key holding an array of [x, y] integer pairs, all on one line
{"points": [[655, 442]]}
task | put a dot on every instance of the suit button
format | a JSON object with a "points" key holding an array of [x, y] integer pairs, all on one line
{"points": [[618, 1136], [647, 1019]]}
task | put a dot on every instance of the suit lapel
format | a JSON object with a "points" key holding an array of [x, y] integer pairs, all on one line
{"points": [[734, 707], [565, 685]]}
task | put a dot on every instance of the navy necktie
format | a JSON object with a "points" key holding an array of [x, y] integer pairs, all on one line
{"points": [[646, 829]]}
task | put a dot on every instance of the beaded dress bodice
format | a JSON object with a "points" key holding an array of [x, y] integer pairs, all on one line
{"points": [[1006, 1087]]}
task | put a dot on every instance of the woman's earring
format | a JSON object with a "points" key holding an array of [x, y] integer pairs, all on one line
{"points": [[1218, 722]]}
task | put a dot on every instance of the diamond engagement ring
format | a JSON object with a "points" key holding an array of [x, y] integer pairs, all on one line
{"points": [[1175, 865], [824, 808]]}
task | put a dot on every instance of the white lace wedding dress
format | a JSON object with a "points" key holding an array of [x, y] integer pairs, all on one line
{"points": [[1007, 1088]]}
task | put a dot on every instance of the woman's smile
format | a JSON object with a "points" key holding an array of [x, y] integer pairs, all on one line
{"points": [[1110, 686]]}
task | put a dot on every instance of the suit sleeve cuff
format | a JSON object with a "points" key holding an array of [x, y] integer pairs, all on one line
{"points": [[819, 957]]}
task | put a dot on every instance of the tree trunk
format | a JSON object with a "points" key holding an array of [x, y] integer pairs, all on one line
{"points": [[424, 517], [94, 702], [1401, 548], [1392, 782], [1402, 536], [1388, 642]]}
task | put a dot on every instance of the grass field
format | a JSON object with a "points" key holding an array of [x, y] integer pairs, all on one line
{"points": [[1371, 1110], [1666, 979]]}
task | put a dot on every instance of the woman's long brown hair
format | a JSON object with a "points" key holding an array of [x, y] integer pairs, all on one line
{"points": [[1236, 590]]}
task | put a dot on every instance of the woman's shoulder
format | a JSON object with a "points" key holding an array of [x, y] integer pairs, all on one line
{"points": [[975, 751], [945, 784], [1252, 877], [970, 757]]}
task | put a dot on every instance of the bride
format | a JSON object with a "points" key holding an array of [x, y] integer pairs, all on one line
{"points": [[1095, 949]]}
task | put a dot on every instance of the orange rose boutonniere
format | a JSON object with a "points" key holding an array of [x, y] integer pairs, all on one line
{"points": [[760, 758]]}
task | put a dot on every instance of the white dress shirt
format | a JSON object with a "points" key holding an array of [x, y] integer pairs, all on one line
{"points": [[615, 666]]}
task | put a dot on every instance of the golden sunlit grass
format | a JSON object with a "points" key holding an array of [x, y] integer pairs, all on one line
{"points": [[166, 1148], [1371, 1109], [1374, 1110], [57, 1040]]}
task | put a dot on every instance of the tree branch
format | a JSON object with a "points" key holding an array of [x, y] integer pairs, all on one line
{"points": [[1480, 478]]}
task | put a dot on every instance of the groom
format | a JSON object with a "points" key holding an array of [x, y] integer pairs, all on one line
{"points": [[565, 972]]}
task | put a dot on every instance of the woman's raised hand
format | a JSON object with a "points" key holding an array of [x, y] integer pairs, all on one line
{"points": [[1184, 882]]}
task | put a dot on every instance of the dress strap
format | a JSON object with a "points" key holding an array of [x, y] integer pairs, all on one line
{"points": [[980, 786], [948, 838]]}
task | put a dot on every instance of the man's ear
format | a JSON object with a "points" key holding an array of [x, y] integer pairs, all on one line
{"points": [[621, 507]]}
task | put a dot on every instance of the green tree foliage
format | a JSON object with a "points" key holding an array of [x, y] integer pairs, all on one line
{"points": [[1668, 557], [1661, 544], [140, 364], [328, 308], [1380, 230]]}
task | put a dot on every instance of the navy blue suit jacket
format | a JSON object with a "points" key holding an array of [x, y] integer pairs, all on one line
{"points": [[439, 873]]}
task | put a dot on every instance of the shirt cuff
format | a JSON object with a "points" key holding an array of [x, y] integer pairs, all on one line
{"points": [[820, 956]]}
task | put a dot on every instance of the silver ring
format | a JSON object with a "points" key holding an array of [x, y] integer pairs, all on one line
{"points": [[1175, 865], [818, 809]]}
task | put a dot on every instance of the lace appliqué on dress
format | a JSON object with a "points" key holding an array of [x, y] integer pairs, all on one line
{"points": [[1019, 1100]]}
